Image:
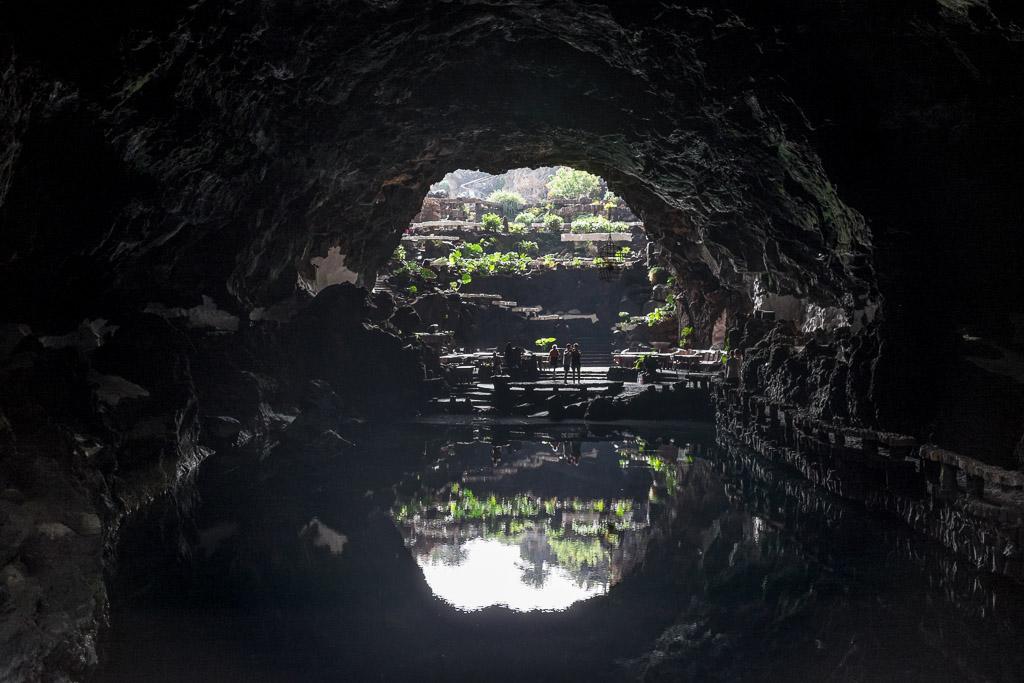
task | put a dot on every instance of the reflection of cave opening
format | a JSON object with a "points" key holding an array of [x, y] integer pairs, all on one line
{"points": [[536, 521]]}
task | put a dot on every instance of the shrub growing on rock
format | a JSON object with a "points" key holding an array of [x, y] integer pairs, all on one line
{"points": [[528, 247], [553, 222], [657, 275], [510, 203], [589, 223], [491, 221]]}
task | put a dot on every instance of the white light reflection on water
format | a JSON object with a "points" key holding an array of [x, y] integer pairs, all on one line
{"points": [[491, 573]]}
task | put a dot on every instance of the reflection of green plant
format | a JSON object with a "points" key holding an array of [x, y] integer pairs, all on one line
{"points": [[464, 504], [544, 341], [576, 554]]}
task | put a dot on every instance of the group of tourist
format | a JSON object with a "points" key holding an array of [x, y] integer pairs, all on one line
{"points": [[571, 358]]}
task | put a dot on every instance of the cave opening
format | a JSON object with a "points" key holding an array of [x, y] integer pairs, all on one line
{"points": [[539, 275]]}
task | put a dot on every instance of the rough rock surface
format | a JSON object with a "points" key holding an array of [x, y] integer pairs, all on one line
{"points": [[90, 437]]}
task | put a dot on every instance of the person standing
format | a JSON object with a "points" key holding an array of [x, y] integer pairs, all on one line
{"points": [[566, 362], [577, 362], [553, 361], [508, 356]]}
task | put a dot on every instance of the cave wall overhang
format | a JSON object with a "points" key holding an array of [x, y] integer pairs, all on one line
{"points": [[231, 148]]}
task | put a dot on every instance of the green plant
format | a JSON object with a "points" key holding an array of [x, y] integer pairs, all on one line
{"points": [[588, 223], [686, 336], [491, 221], [526, 219], [553, 222], [623, 315], [638, 364], [509, 203], [568, 183], [543, 342], [610, 198], [657, 275], [624, 253], [528, 247], [663, 312], [412, 289]]}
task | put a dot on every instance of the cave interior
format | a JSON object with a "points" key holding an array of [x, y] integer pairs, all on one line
{"points": [[199, 201]]}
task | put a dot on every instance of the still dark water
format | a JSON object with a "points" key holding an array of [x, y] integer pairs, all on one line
{"points": [[508, 552]]}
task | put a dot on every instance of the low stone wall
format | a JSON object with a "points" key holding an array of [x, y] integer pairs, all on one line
{"points": [[974, 510]]}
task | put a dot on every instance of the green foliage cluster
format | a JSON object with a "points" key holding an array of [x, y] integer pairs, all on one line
{"points": [[643, 454], [409, 267], [465, 505], [509, 203], [553, 222], [524, 221], [569, 183], [589, 223], [471, 258], [576, 554], [657, 275], [686, 336], [491, 221], [544, 342], [664, 312], [528, 247]]}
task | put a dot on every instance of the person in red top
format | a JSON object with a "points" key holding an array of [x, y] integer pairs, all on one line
{"points": [[553, 361]]}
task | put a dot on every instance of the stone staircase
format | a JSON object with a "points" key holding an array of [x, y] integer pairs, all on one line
{"points": [[480, 397]]}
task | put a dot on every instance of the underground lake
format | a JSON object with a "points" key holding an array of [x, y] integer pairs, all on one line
{"points": [[506, 550]]}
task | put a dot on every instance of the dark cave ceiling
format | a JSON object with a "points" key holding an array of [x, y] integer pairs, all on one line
{"points": [[162, 153]]}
